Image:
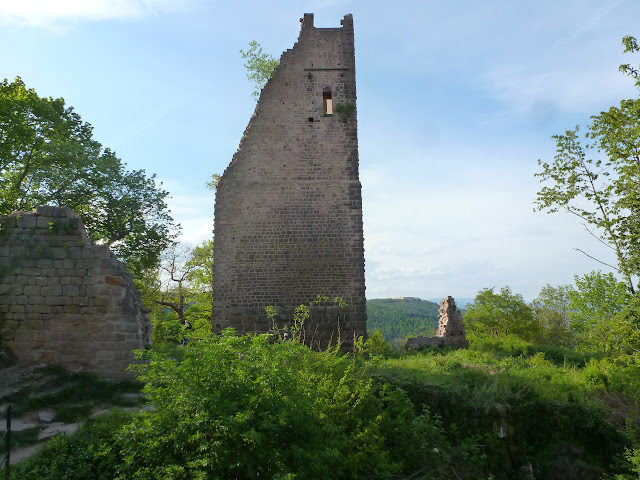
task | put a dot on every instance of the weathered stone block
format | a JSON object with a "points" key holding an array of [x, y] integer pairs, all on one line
{"points": [[26, 221]]}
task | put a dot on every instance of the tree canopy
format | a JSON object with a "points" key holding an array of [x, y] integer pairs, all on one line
{"points": [[598, 179], [399, 318], [552, 311], [179, 291], [496, 315], [48, 156]]}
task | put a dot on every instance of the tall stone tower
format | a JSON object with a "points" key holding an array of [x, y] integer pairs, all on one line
{"points": [[288, 214]]}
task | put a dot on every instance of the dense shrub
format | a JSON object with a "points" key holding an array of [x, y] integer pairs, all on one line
{"points": [[250, 407], [91, 453]]}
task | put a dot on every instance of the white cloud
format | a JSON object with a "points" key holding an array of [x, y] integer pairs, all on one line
{"points": [[454, 226], [50, 14], [536, 93]]}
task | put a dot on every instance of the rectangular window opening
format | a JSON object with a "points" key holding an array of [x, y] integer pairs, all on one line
{"points": [[327, 103]]}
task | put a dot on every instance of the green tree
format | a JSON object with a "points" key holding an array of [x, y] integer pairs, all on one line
{"points": [[598, 181], [622, 337], [594, 303], [48, 156], [260, 66], [497, 315], [200, 282], [182, 284], [552, 310]]}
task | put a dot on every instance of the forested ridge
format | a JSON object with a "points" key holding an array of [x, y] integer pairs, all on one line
{"points": [[397, 318]]}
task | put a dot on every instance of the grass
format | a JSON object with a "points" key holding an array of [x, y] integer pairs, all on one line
{"points": [[541, 397], [490, 374]]}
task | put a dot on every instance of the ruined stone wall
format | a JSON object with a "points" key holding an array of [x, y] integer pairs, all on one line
{"points": [[288, 215], [451, 332], [62, 299]]}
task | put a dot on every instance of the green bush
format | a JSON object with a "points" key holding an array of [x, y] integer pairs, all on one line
{"points": [[88, 454], [245, 407], [251, 407], [377, 346]]}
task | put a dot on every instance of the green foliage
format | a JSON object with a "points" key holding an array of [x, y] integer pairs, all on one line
{"points": [[595, 302], [514, 346], [524, 407], [630, 45], [377, 346], [258, 407], [213, 183], [345, 110], [260, 66], [552, 311], [399, 318], [296, 331], [89, 453], [598, 181], [497, 315], [48, 157], [624, 335], [249, 407], [179, 292]]}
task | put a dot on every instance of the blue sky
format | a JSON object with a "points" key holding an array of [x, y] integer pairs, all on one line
{"points": [[456, 103]]}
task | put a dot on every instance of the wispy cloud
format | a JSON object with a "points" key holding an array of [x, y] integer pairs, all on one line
{"points": [[536, 92], [52, 14]]}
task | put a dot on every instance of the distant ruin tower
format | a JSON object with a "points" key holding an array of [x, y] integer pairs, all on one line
{"points": [[288, 214]]}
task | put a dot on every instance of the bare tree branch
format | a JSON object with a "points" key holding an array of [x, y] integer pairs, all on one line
{"points": [[598, 238], [599, 261]]}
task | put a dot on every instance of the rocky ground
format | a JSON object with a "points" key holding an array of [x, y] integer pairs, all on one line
{"points": [[49, 402]]}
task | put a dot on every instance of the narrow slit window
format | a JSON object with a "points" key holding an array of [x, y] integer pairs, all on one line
{"points": [[327, 102]]}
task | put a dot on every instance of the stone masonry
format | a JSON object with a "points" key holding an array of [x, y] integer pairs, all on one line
{"points": [[63, 300], [288, 214], [450, 332]]}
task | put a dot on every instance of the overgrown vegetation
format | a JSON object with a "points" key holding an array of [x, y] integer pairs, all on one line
{"points": [[252, 407], [260, 407]]}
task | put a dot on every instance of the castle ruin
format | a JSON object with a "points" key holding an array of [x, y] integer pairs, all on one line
{"points": [[451, 332], [288, 212], [64, 300]]}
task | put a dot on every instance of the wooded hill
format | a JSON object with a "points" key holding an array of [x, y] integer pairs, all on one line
{"points": [[402, 317]]}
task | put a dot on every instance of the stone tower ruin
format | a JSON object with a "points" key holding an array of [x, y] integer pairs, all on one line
{"points": [[288, 213]]}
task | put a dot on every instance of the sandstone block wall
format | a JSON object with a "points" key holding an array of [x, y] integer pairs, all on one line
{"points": [[450, 332], [62, 299], [288, 214]]}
